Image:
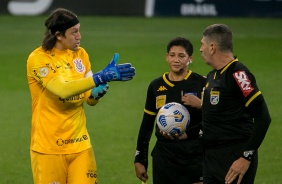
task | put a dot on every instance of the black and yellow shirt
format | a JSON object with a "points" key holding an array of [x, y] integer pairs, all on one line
{"points": [[227, 96]]}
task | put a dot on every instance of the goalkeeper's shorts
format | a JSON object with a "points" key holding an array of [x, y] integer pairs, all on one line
{"points": [[64, 169]]}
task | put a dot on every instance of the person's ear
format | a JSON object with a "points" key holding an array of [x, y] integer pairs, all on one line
{"points": [[58, 35]]}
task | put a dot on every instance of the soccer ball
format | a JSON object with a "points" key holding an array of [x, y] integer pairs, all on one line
{"points": [[173, 118]]}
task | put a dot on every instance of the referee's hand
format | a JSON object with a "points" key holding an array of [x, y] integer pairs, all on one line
{"points": [[176, 137], [237, 169], [141, 172]]}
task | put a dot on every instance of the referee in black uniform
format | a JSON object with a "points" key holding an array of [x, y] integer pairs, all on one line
{"points": [[235, 115], [175, 161]]}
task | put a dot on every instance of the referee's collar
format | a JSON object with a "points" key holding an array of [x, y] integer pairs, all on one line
{"points": [[236, 59], [165, 77]]}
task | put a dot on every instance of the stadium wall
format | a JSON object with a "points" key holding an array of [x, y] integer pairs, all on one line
{"points": [[216, 8], [148, 8]]}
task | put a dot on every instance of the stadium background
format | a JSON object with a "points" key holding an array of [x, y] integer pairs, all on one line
{"points": [[139, 31]]}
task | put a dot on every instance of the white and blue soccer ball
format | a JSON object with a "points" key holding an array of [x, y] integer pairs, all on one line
{"points": [[173, 118]]}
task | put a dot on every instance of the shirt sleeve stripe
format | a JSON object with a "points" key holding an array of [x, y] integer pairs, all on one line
{"points": [[252, 98], [149, 112]]}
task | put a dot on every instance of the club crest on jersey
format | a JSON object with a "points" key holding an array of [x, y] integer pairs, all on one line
{"points": [[79, 67], [243, 82], [214, 98]]}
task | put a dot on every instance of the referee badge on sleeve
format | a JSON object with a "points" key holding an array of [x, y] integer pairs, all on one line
{"points": [[214, 97], [160, 101]]}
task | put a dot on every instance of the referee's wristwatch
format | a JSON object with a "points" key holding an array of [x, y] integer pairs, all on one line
{"points": [[248, 155]]}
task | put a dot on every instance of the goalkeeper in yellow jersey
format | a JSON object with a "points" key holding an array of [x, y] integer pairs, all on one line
{"points": [[60, 81]]}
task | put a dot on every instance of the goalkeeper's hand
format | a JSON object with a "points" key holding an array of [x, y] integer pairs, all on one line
{"points": [[114, 72], [100, 91]]}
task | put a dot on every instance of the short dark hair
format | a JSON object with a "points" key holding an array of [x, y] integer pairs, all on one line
{"points": [[58, 17], [221, 34], [180, 41]]}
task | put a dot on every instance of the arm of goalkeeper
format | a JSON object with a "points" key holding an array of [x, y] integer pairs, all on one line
{"points": [[114, 72]]}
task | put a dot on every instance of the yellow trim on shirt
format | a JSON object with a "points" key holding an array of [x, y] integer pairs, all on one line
{"points": [[149, 112], [252, 98], [169, 83], [228, 65], [166, 81]]}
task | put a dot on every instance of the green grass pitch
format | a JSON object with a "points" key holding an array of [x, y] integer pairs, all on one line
{"points": [[113, 124]]}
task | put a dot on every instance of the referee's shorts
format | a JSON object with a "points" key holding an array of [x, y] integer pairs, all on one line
{"points": [[217, 162], [177, 163]]}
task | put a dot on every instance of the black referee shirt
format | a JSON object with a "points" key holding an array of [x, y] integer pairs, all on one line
{"points": [[162, 91], [227, 94]]}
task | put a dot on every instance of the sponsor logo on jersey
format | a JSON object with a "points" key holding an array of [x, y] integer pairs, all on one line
{"points": [[79, 67], [51, 67], [214, 98], [61, 142], [137, 152], [162, 88], [73, 98], [243, 82], [248, 153], [91, 174], [68, 66]]}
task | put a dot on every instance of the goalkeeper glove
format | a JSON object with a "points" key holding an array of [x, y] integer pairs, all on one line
{"points": [[114, 72], [100, 91]]}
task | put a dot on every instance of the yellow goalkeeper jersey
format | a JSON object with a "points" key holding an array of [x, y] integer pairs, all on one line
{"points": [[58, 125]]}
